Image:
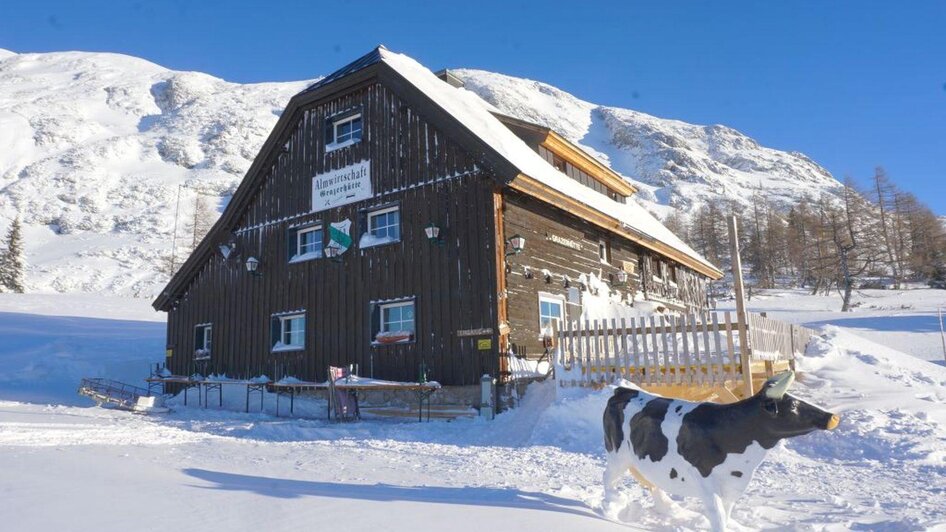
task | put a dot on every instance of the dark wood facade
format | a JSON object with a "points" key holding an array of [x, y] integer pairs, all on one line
{"points": [[467, 295], [414, 166]]}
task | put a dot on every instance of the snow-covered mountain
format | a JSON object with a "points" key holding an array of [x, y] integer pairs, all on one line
{"points": [[94, 146], [673, 163]]}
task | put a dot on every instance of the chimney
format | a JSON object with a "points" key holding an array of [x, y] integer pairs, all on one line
{"points": [[448, 77]]}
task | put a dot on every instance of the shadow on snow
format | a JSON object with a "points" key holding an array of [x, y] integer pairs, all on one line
{"points": [[466, 495]]}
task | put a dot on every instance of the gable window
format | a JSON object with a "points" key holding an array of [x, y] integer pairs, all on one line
{"points": [[383, 227], [604, 251], [551, 309], [289, 332], [343, 131], [202, 341], [307, 244], [394, 322]]}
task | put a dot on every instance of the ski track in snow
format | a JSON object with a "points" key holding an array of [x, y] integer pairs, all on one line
{"points": [[536, 467]]}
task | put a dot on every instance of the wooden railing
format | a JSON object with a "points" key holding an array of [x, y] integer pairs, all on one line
{"points": [[695, 349]]}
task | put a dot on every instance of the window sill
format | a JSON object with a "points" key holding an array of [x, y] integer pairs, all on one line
{"points": [[305, 257], [339, 145], [375, 343], [368, 241], [287, 348], [202, 358]]}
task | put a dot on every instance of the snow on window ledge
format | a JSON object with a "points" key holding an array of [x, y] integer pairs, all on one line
{"points": [[368, 240], [393, 337], [339, 145], [281, 347], [306, 256]]}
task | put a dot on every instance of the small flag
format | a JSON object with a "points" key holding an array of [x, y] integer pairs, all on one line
{"points": [[340, 236]]}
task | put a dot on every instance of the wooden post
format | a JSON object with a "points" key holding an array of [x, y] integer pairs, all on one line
{"points": [[745, 350], [942, 331]]}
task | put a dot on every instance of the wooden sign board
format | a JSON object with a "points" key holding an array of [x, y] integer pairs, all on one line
{"points": [[340, 187]]}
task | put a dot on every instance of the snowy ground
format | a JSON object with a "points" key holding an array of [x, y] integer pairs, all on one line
{"points": [[901, 319], [67, 466]]}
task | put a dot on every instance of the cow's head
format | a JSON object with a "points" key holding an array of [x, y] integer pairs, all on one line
{"points": [[785, 415]]}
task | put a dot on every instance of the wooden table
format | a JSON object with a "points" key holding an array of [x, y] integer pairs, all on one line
{"points": [[423, 391]]}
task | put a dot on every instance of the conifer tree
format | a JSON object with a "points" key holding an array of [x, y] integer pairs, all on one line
{"points": [[12, 263]]}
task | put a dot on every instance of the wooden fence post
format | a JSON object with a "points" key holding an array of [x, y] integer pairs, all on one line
{"points": [[745, 350]]}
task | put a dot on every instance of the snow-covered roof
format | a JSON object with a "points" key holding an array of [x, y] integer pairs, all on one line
{"points": [[477, 115]]}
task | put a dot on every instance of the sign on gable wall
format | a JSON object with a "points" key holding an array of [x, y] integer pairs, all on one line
{"points": [[341, 187]]}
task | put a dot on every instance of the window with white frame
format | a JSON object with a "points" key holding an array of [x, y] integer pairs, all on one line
{"points": [[384, 226], [309, 242], [289, 332], [604, 251], [202, 341], [551, 309], [395, 321], [344, 131]]}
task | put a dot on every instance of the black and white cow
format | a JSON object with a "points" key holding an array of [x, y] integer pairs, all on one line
{"points": [[704, 450]]}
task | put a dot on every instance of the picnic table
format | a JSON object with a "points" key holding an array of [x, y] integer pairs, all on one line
{"points": [[353, 383], [207, 385]]}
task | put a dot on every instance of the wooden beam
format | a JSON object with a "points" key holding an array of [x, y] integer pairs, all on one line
{"points": [[745, 350], [534, 188]]}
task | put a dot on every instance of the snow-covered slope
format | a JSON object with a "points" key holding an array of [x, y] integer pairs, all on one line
{"points": [[673, 163], [94, 146]]}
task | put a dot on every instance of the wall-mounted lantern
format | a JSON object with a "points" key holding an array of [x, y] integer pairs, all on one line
{"points": [[619, 279], [334, 254], [252, 266], [433, 234], [516, 244]]}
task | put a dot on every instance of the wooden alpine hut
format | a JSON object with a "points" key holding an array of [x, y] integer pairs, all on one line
{"points": [[397, 221]]}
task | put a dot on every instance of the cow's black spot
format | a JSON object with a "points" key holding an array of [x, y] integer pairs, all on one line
{"points": [[673, 473], [736, 474], [712, 431], [647, 439], [614, 418], [678, 408]]}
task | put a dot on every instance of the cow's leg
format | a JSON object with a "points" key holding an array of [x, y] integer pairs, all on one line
{"points": [[612, 473], [716, 511], [663, 503]]}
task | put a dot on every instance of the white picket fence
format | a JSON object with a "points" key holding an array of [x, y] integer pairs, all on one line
{"points": [[695, 349]]}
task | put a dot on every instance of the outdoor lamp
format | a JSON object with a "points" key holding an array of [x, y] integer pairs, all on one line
{"points": [[252, 266], [517, 243], [621, 278], [433, 234], [333, 253]]}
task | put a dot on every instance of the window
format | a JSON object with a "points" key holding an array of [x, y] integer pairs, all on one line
{"points": [[604, 251], [559, 163], [395, 322], [308, 244], [289, 332], [551, 309], [202, 341], [384, 227], [343, 132], [397, 317]]}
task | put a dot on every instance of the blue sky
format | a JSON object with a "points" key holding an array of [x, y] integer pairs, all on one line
{"points": [[851, 84]]}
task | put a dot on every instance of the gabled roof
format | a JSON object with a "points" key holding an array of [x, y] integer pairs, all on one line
{"points": [[371, 58], [478, 116], [522, 168]]}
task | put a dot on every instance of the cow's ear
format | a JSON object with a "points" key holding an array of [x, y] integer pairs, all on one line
{"points": [[776, 387]]}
